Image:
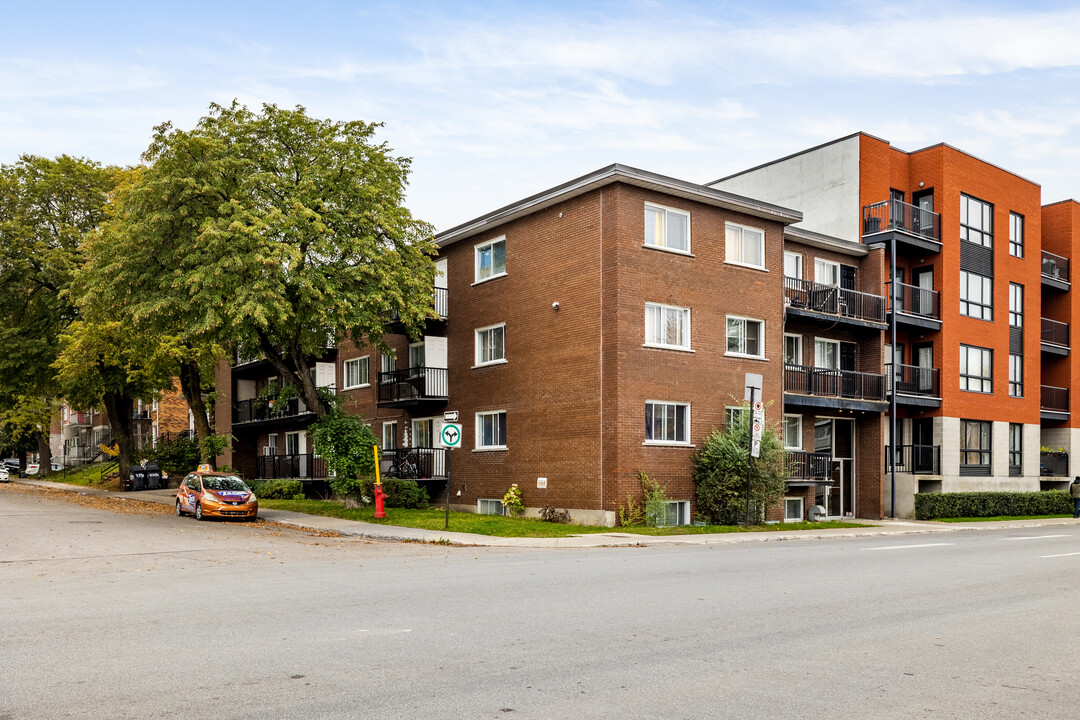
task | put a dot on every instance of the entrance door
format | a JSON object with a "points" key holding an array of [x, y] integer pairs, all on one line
{"points": [[837, 436], [922, 441], [924, 216], [922, 301], [924, 364]]}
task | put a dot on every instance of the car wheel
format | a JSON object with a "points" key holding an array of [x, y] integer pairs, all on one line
{"points": [[179, 510], [198, 511]]}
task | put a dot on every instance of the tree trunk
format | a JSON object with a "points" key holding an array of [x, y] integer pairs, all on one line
{"points": [[44, 453], [119, 408], [191, 389], [296, 375]]}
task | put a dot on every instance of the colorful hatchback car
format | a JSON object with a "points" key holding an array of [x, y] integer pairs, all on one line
{"points": [[212, 494]]}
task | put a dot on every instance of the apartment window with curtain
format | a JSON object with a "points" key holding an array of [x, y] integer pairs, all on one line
{"points": [[490, 259], [667, 423], [1016, 449], [976, 221], [974, 447], [667, 326], [826, 272], [793, 349], [745, 245], [1016, 235], [793, 265], [667, 228], [976, 369], [745, 337]]}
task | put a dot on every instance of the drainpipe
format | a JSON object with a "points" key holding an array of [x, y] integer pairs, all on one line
{"points": [[892, 372]]}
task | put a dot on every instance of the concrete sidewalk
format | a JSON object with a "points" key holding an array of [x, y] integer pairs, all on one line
{"points": [[373, 531]]}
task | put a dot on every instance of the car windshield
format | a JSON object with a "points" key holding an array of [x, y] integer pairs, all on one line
{"points": [[223, 482]]}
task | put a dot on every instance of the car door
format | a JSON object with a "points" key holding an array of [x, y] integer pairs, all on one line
{"points": [[190, 495]]}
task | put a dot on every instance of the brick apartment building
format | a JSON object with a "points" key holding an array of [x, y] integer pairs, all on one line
{"points": [[76, 435], [602, 328], [982, 364]]}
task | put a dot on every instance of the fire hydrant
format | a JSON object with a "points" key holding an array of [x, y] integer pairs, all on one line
{"points": [[380, 512]]}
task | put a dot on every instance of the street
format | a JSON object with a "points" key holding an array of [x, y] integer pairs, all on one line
{"points": [[106, 615]]}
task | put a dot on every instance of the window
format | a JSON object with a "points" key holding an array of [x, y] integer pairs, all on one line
{"points": [[1016, 375], [793, 509], [388, 364], [976, 221], [416, 355], [491, 345], [793, 349], [1016, 448], [826, 272], [667, 326], [292, 443], [423, 433], [975, 446], [793, 432], [1016, 235], [793, 265], [271, 444], [667, 228], [491, 430], [827, 354], [667, 423], [356, 373], [488, 506], [491, 259], [745, 245], [976, 296], [976, 369], [389, 435], [745, 337], [1016, 305], [733, 414], [675, 512]]}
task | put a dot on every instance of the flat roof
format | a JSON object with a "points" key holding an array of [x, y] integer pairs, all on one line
{"points": [[617, 173]]}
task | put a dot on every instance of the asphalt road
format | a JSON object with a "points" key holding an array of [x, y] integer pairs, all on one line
{"points": [[105, 615]]}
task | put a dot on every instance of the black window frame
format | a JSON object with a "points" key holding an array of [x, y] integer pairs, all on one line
{"points": [[985, 306], [1016, 239], [986, 381], [1016, 380], [976, 233], [981, 455], [1016, 449], [1016, 314]]}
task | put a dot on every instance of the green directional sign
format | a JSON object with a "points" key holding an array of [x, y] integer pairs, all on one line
{"points": [[451, 435]]}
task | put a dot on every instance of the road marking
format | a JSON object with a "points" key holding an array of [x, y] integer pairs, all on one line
{"points": [[1061, 555], [905, 547], [1035, 537]]}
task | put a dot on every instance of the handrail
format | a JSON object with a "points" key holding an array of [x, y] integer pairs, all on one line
{"points": [[833, 300], [1055, 267], [914, 380], [898, 215], [1055, 332], [825, 382], [913, 300]]}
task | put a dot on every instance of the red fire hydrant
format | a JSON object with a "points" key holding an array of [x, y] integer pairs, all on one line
{"points": [[380, 512]]}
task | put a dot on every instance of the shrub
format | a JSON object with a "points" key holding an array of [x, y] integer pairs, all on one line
{"points": [[930, 506], [651, 510], [178, 456], [346, 443], [512, 501], [551, 515], [277, 489], [400, 493]]}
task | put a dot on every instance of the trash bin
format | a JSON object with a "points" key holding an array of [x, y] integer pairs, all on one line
{"points": [[138, 477], [153, 476]]}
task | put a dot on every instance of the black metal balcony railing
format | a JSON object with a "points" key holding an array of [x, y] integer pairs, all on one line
{"points": [[442, 302], [1055, 267], [833, 383], [1055, 333], [1054, 399], [415, 383], [915, 380], [913, 300], [914, 459], [804, 465], [893, 214], [256, 409], [1053, 464], [833, 300], [417, 463], [301, 467], [140, 414]]}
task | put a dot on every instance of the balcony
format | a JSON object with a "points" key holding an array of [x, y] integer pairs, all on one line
{"points": [[917, 309], [815, 387], [441, 304], [808, 468], [280, 412], [1053, 464], [910, 227], [413, 387], [1055, 271], [1053, 403], [1055, 337], [420, 463], [914, 459], [915, 386], [80, 419], [830, 303], [290, 467]]}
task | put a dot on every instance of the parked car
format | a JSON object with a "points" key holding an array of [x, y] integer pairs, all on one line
{"points": [[212, 494], [4, 477], [32, 469], [12, 465]]}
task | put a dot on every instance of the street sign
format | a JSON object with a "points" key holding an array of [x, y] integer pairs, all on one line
{"points": [[755, 439], [450, 416], [753, 381], [451, 435]]}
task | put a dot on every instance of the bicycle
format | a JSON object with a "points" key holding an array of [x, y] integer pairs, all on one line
{"points": [[403, 467]]}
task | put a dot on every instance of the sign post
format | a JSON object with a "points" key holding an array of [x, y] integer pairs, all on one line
{"points": [[450, 437], [753, 390]]}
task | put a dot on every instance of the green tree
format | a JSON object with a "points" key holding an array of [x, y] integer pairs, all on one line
{"points": [[47, 208], [347, 444], [720, 472], [272, 231]]}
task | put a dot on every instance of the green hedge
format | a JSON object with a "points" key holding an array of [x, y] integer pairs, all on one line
{"points": [[931, 506], [400, 493], [277, 489]]}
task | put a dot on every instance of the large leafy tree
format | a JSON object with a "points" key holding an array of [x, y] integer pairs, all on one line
{"points": [[272, 231], [47, 207]]}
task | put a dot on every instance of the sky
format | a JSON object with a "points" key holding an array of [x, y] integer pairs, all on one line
{"points": [[496, 101]]}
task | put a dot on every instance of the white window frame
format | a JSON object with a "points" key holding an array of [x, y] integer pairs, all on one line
{"points": [[479, 446], [685, 408], [745, 321], [271, 444], [802, 508], [479, 248], [664, 243], [799, 433], [798, 348], [798, 264], [392, 427], [682, 513], [822, 267], [731, 257], [494, 505], [663, 310], [479, 345], [826, 341], [387, 363], [288, 436], [731, 412], [366, 377]]}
